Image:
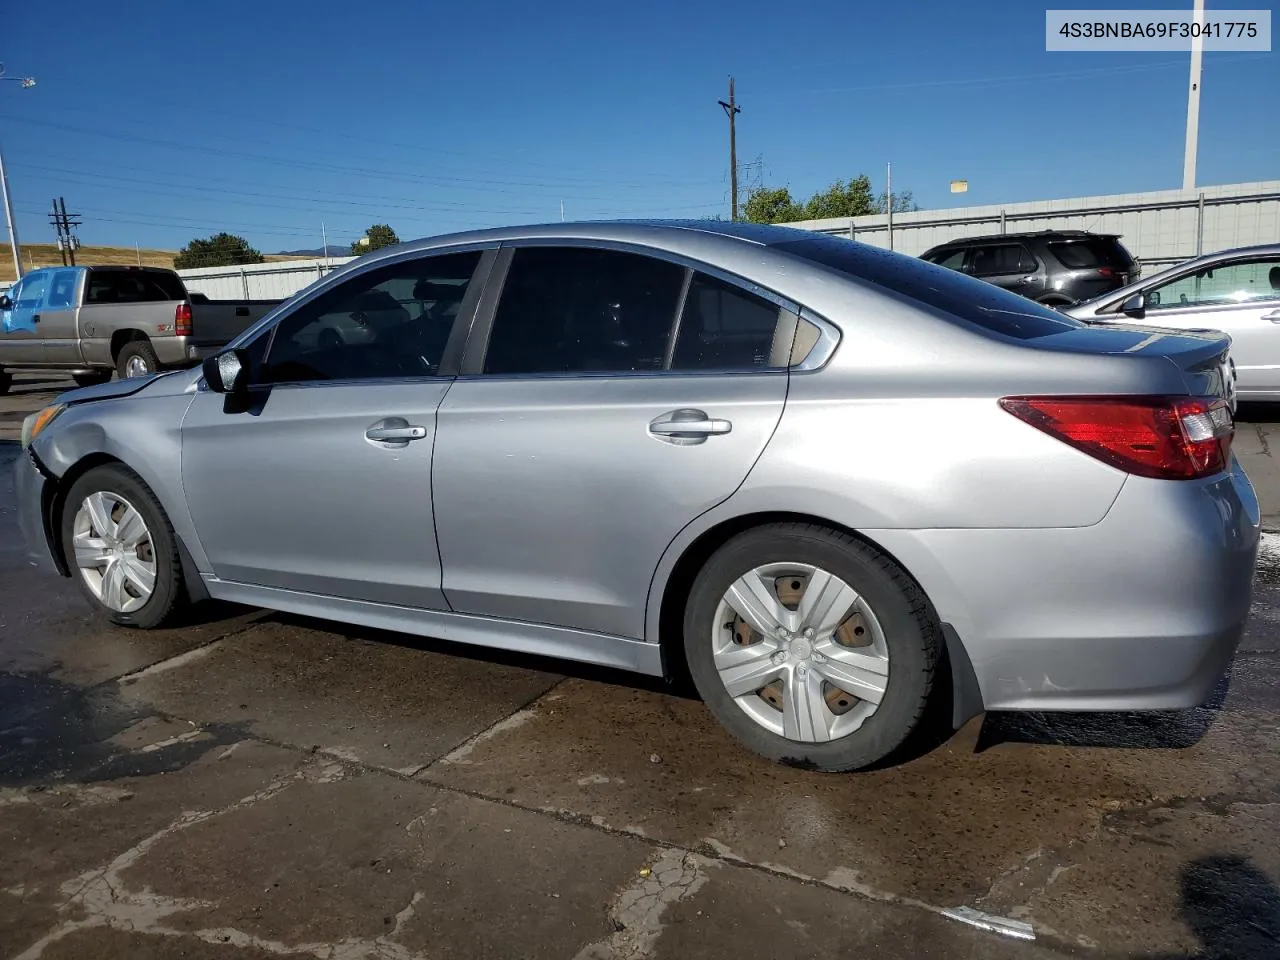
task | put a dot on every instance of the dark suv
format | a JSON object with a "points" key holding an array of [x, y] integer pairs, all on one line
{"points": [[1055, 267]]}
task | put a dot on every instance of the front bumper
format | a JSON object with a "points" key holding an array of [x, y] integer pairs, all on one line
{"points": [[30, 489], [1143, 610]]}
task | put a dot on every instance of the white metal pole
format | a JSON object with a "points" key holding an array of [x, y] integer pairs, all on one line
{"points": [[1193, 104], [137, 252], [888, 202], [13, 227], [324, 242]]}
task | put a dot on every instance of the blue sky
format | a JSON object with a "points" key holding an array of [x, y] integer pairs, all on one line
{"points": [[160, 121]]}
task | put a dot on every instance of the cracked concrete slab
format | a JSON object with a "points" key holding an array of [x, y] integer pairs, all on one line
{"points": [[924, 829], [389, 702]]}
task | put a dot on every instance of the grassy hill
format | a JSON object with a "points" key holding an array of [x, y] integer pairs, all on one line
{"points": [[46, 255]]}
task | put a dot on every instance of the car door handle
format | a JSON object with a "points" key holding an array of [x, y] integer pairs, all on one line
{"points": [[1273, 316], [394, 432], [35, 318], [688, 426]]}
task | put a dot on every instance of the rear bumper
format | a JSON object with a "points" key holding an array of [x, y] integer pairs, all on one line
{"points": [[29, 490], [180, 351], [1143, 610]]}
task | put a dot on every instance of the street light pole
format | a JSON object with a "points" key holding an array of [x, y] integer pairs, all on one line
{"points": [[13, 227], [26, 82], [1193, 103]]}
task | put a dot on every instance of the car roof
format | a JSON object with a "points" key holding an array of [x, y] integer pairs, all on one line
{"points": [[646, 232], [1029, 234]]}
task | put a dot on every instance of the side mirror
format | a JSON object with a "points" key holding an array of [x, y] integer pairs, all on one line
{"points": [[227, 372], [1135, 306], [5, 303]]}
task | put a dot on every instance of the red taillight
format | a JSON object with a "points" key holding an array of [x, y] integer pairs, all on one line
{"points": [[1168, 438], [1106, 272], [182, 320]]}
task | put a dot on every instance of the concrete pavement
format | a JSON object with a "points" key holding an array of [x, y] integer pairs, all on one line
{"points": [[254, 785]]}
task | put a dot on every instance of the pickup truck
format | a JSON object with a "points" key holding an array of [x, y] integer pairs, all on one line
{"points": [[95, 321]]}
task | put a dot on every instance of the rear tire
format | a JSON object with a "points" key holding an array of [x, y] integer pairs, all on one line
{"points": [[91, 379], [127, 564], [6, 381], [822, 725], [137, 358]]}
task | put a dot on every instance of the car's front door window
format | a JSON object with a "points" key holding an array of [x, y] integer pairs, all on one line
{"points": [[392, 322], [1227, 285]]}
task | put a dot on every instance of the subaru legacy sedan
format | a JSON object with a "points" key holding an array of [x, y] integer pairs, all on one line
{"points": [[826, 481]]}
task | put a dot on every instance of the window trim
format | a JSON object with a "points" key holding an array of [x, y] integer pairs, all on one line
{"points": [[454, 346], [478, 346]]}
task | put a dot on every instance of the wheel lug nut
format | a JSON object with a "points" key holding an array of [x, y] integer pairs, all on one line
{"points": [[780, 657], [808, 633]]}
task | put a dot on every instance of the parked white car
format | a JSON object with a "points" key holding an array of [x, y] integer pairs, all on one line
{"points": [[1234, 291]]}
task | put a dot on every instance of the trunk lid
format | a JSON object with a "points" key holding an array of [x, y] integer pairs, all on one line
{"points": [[1202, 356]]}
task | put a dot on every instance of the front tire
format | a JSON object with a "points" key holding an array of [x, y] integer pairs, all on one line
{"points": [[810, 646], [137, 358], [121, 548]]}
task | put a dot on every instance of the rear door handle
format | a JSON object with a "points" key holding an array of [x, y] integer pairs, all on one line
{"points": [[687, 426], [394, 432], [1273, 316], [35, 318]]}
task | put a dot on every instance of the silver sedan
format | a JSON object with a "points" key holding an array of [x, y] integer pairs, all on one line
{"points": [[828, 481], [1235, 291]]}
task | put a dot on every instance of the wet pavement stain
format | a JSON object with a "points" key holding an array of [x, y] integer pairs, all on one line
{"points": [[52, 732]]}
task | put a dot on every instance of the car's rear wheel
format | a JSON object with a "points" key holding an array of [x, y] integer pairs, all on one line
{"points": [[137, 358], [810, 646], [121, 548]]}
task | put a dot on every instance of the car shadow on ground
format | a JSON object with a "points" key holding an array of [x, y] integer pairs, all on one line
{"points": [[1233, 909], [1157, 729]]}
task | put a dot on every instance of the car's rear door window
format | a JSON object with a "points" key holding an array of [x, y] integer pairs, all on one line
{"points": [[724, 327], [583, 310], [1001, 258], [951, 259]]}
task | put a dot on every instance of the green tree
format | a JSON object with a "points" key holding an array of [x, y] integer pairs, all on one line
{"points": [[851, 198], [771, 205], [903, 202], [379, 235], [220, 250], [841, 199]]}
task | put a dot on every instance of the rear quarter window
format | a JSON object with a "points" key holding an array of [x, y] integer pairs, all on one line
{"points": [[1090, 252], [974, 301]]}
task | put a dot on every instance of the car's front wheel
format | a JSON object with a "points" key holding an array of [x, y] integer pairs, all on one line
{"points": [[810, 646], [121, 548]]}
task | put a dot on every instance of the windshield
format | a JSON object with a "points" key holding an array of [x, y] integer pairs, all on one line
{"points": [[973, 301]]}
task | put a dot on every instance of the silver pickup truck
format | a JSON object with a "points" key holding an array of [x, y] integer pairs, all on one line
{"points": [[95, 321]]}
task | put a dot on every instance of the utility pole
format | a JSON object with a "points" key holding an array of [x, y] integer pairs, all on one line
{"points": [[732, 109], [1193, 103], [62, 224], [56, 219], [13, 227]]}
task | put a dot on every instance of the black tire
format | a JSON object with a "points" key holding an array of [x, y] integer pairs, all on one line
{"points": [[91, 379], [912, 635], [6, 381], [140, 349], [168, 595]]}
